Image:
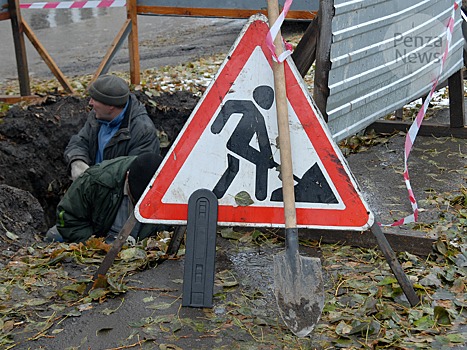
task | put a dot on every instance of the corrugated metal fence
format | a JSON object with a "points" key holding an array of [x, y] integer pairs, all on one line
{"points": [[385, 54]]}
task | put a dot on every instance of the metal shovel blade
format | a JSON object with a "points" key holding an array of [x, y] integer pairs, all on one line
{"points": [[299, 290]]}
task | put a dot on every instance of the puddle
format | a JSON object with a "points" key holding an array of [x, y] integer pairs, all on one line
{"points": [[255, 268]]}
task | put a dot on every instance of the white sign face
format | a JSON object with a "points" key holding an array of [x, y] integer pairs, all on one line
{"points": [[209, 158], [229, 146]]}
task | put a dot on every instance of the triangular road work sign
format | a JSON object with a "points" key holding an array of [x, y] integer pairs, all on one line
{"points": [[229, 146]]}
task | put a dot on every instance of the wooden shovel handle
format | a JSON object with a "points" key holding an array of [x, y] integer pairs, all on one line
{"points": [[283, 124], [113, 252]]}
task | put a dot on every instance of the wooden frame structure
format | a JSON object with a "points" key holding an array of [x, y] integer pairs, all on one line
{"points": [[133, 10], [128, 31], [215, 12], [20, 28]]}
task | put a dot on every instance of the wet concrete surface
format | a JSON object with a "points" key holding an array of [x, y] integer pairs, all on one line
{"points": [[436, 165]]}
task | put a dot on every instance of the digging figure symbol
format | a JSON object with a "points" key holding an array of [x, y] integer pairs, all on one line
{"points": [[311, 188], [251, 123]]}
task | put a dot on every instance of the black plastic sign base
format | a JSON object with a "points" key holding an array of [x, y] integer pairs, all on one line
{"points": [[200, 255]]}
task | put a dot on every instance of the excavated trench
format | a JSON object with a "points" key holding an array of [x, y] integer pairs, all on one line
{"points": [[32, 141]]}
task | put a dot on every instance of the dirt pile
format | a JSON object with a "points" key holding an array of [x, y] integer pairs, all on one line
{"points": [[21, 218], [32, 141]]}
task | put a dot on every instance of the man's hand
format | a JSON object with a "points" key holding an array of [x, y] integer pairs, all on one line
{"points": [[77, 168]]}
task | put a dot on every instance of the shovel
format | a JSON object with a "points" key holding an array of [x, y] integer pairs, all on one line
{"points": [[298, 281], [112, 253]]}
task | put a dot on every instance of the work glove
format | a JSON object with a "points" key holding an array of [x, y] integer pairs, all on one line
{"points": [[77, 168]]}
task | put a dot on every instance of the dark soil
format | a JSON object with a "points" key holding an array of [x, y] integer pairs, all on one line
{"points": [[32, 141], [21, 219]]}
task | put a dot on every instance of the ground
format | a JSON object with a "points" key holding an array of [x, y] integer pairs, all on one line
{"points": [[43, 305]]}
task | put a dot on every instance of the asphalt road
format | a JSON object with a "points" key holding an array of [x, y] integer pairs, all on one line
{"points": [[77, 40]]}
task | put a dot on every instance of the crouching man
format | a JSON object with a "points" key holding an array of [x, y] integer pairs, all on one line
{"points": [[99, 202]]}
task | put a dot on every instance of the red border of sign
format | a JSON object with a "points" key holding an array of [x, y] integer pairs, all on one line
{"points": [[355, 215]]}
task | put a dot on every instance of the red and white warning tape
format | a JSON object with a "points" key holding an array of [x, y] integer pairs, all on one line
{"points": [[415, 127], [274, 30], [74, 4]]}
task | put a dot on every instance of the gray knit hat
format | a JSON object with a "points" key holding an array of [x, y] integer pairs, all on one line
{"points": [[110, 90]]}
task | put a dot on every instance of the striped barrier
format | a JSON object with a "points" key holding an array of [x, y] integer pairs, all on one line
{"points": [[415, 127], [74, 4]]}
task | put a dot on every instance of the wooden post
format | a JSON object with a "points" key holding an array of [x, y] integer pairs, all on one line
{"points": [[456, 100], [47, 58], [20, 48], [133, 42], [113, 49], [305, 53], [323, 53], [395, 266], [176, 240]]}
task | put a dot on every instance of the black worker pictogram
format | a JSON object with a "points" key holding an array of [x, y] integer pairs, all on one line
{"points": [[251, 124], [311, 188]]}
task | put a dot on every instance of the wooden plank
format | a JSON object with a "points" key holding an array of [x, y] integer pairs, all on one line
{"points": [[456, 100], [11, 99], [20, 48], [410, 241], [47, 58], [115, 248], [113, 49], [215, 12], [394, 264], [414, 242], [323, 54], [305, 53], [426, 129], [133, 45], [399, 113], [4, 16]]}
